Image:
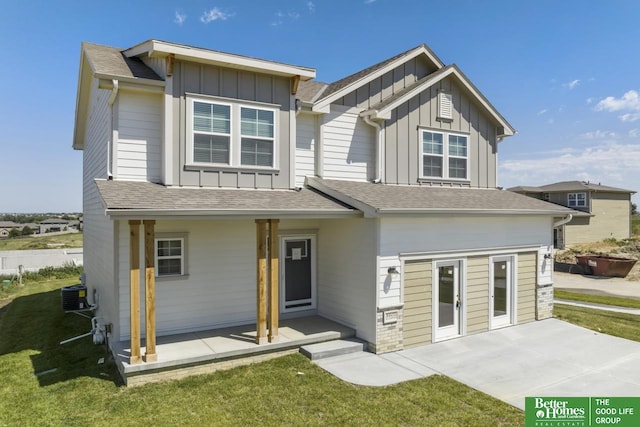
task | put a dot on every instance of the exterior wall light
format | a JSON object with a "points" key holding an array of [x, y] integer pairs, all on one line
{"points": [[393, 271]]}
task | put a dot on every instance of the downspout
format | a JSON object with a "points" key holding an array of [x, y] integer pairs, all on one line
{"points": [[379, 140], [563, 221], [112, 99]]}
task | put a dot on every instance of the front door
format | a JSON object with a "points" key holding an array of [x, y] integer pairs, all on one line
{"points": [[501, 291], [297, 273], [447, 300]]}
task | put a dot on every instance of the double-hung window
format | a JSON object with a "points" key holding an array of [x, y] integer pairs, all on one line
{"points": [[170, 256], [230, 134], [577, 200], [256, 130], [444, 155]]}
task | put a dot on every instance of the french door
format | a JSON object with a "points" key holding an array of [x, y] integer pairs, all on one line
{"points": [[447, 297]]}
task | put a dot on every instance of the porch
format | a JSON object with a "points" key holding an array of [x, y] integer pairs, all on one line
{"points": [[201, 352]]}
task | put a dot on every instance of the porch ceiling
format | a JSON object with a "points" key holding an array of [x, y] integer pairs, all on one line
{"points": [[128, 199]]}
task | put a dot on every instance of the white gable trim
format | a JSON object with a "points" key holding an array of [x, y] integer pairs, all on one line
{"points": [[452, 70], [155, 48], [322, 106]]}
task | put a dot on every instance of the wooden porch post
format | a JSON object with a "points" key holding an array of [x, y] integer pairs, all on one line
{"points": [[261, 312], [274, 303], [150, 294], [134, 290]]}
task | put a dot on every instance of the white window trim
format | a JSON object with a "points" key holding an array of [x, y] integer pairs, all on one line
{"points": [[235, 142], [445, 154], [183, 264], [577, 205]]}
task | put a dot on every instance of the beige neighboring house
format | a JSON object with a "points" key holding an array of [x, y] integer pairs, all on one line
{"points": [[260, 196], [6, 227], [602, 212]]}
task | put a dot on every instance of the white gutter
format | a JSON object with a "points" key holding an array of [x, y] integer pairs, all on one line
{"points": [[563, 221], [379, 143]]}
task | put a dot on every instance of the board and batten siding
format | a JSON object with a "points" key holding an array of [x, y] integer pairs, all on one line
{"points": [[233, 86], [417, 315], [139, 144], [477, 294], [347, 274], [348, 146], [526, 299], [402, 136], [390, 83], [99, 235], [305, 147]]}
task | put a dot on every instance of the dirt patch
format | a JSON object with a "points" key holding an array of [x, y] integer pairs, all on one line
{"points": [[627, 248]]}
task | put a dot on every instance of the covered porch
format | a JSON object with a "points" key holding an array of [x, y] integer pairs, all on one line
{"points": [[206, 351]]}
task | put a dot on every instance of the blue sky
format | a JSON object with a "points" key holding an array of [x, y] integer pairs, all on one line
{"points": [[564, 73]]}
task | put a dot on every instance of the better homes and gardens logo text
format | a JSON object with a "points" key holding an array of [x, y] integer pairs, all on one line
{"points": [[582, 411]]}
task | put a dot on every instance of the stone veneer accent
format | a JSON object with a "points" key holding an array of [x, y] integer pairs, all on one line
{"points": [[544, 301], [389, 336]]}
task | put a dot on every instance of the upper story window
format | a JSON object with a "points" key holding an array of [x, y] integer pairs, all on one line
{"points": [[444, 155], [577, 200], [229, 134]]}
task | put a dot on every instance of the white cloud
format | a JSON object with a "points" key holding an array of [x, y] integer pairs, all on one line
{"points": [[180, 18], [610, 163], [369, 1], [599, 134], [311, 6], [572, 84], [634, 133], [215, 14], [590, 101], [630, 117], [629, 101], [541, 112], [280, 17]]}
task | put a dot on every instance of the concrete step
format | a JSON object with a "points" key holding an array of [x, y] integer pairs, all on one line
{"points": [[332, 348]]}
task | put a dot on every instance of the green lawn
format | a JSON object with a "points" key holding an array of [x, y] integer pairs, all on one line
{"points": [[44, 383], [598, 299], [607, 322], [71, 240]]}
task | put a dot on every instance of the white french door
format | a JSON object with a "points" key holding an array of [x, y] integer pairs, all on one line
{"points": [[501, 291], [447, 299]]}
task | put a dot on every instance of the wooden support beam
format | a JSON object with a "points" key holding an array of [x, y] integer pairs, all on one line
{"points": [[274, 303], [261, 312], [150, 354], [134, 291]]}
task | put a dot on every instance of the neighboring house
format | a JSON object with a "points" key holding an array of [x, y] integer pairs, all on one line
{"points": [[253, 194], [601, 212], [7, 226], [53, 225]]}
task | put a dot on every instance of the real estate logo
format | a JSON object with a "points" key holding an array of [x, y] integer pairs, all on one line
{"points": [[582, 411]]}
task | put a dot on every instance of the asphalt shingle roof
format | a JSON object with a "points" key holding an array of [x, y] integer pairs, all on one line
{"points": [[380, 199], [144, 196], [110, 61], [570, 186]]}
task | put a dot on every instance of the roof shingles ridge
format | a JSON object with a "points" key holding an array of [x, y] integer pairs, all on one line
{"points": [[346, 81]]}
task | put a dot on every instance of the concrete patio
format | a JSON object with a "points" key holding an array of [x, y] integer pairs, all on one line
{"points": [[207, 351]]}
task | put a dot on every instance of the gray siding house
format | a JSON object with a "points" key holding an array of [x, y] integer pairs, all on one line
{"points": [[600, 211], [239, 202]]}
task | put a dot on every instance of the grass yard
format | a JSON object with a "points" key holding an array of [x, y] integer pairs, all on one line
{"points": [[607, 322], [57, 241], [635, 225], [44, 383], [598, 299]]}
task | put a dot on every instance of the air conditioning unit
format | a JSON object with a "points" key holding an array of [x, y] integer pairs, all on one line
{"points": [[74, 298]]}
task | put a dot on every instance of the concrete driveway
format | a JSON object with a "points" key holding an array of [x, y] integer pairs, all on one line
{"points": [[545, 358]]}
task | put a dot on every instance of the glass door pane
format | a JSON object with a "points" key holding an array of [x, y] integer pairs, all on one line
{"points": [[500, 297], [446, 296]]}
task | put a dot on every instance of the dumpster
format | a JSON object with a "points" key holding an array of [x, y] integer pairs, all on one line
{"points": [[608, 266]]}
